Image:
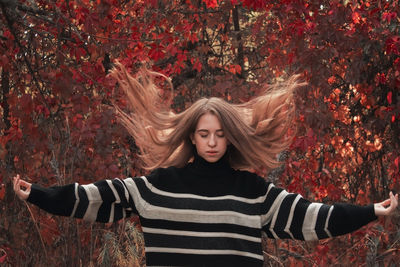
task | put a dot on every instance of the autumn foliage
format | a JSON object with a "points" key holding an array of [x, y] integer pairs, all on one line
{"points": [[58, 125]]}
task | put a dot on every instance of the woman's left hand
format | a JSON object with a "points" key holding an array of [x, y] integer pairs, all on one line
{"points": [[388, 206]]}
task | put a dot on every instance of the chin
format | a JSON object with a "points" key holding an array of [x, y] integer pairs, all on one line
{"points": [[212, 159]]}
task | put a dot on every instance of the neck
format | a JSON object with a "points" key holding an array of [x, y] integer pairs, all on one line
{"points": [[204, 168]]}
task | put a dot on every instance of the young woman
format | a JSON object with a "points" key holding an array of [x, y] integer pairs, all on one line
{"points": [[199, 206]]}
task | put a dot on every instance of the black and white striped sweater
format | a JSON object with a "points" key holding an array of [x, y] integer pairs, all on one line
{"points": [[204, 214]]}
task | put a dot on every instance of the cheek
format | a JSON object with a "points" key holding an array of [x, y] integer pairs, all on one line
{"points": [[197, 141], [227, 142]]}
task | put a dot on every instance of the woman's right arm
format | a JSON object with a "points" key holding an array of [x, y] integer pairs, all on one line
{"points": [[102, 201]]}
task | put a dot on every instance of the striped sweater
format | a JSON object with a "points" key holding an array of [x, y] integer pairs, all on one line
{"points": [[205, 214]]}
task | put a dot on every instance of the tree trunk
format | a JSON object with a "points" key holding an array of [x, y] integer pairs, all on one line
{"points": [[240, 56]]}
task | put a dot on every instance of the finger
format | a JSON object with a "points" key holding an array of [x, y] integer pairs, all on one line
{"points": [[386, 202], [395, 200], [392, 198], [16, 180], [16, 184], [19, 189], [25, 183], [22, 194]]}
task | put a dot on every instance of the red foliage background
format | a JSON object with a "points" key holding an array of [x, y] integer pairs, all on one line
{"points": [[58, 126]]}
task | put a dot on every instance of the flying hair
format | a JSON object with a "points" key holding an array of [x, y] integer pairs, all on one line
{"points": [[258, 130]]}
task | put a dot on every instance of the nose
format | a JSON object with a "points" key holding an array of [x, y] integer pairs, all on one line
{"points": [[212, 142]]}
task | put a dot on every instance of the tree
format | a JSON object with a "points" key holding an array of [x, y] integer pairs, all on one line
{"points": [[58, 124]]}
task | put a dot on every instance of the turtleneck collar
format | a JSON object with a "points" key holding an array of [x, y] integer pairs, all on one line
{"points": [[205, 169]]}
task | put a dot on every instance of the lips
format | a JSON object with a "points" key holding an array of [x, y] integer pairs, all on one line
{"points": [[212, 152]]}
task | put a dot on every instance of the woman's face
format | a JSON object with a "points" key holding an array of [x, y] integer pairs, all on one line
{"points": [[209, 138]]}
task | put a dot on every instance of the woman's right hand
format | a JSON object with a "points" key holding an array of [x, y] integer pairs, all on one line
{"points": [[21, 188]]}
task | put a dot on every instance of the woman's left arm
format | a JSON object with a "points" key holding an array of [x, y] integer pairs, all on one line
{"points": [[286, 215]]}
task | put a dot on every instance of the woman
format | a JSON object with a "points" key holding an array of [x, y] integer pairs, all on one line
{"points": [[199, 206]]}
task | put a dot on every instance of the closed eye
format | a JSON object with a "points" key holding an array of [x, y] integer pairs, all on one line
{"points": [[205, 133]]}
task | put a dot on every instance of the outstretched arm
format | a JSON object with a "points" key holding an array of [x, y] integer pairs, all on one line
{"points": [[102, 201], [291, 216]]}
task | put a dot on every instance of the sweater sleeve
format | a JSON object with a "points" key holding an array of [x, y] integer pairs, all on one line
{"points": [[286, 215], [102, 201]]}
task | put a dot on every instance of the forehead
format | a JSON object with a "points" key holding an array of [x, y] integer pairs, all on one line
{"points": [[208, 121]]}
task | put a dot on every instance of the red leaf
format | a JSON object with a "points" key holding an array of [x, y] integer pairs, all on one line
{"points": [[304, 142], [193, 37], [356, 17], [393, 45], [197, 65], [238, 69], [78, 120], [389, 97], [388, 16], [156, 52], [381, 78], [187, 27], [255, 4], [2, 193], [153, 3], [235, 69], [211, 3], [3, 258], [182, 56], [291, 57], [396, 64], [296, 164]]}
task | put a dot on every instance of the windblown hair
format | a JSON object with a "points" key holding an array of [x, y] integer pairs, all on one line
{"points": [[257, 130]]}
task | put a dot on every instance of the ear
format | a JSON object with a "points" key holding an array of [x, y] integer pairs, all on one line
{"points": [[192, 138]]}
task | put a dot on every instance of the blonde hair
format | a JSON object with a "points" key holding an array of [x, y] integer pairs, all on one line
{"points": [[257, 129]]}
